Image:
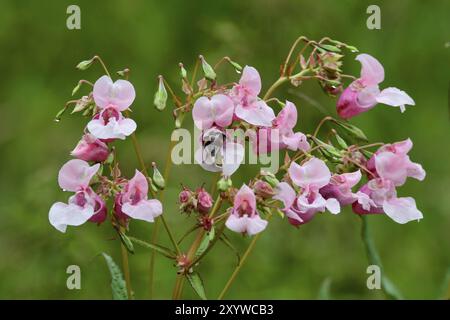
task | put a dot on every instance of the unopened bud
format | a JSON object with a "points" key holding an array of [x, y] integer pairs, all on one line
{"points": [[207, 69], [160, 99], [157, 178]]}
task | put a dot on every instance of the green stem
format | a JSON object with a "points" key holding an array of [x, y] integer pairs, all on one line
{"points": [[373, 257], [282, 80], [103, 65], [178, 289], [167, 169], [238, 267], [126, 269]]}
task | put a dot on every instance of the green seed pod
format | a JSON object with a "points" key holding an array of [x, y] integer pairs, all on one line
{"points": [[160, 99]]}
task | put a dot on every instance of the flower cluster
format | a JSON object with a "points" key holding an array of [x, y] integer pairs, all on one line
{"points": [[322, 171], [110, 99]]}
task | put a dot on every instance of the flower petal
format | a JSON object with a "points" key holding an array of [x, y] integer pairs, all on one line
{"points": [[285, 194], [372, 72], [402, 210], [76, 174], [313, 173], [251, 80], [120, 94], [146, 210], [62, 215], [333, 206], [395, 97], [101, 131], [125, 127], [202, 113], [258, 114], [296, 141]]}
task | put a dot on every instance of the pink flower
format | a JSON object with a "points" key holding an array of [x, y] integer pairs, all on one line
{"points": [[218, 154], [281, 135], [85, 205], [119, 94], [244, 218], [112, 98], [217, 110], [247, 105], [340, 187], [91, 149], [392, 162], [363, 93], [382, 197], [204, 201], [133, 201], [310, 177], [313, 174]]}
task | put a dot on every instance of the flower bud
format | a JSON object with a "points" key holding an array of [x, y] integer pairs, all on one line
{"points": [[160, 99], [89, 148], [207, 69], [83, 65], [204, 201], [224, 184], [157, 178], [263, 189], [186, 200], [352, 130]]}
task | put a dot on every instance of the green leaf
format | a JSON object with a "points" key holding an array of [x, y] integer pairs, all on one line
{"points": [[197, 284], [163, 250], [118, 286], [324, 291], [209, 72], [203, 246], [160, 99]]}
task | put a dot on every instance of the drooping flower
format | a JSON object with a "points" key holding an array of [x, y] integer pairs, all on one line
{"points": [[133, 201], [392, 162], [218, 154], [383, 198], [217, 110], [85, 204], [89, 148], [310, 177], [112, 98], [244, 218], [248, 106], [340, 187], [281, 135], [363, 94]]}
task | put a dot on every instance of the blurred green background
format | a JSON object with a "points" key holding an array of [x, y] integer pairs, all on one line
{"points": [[38, 55]]}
